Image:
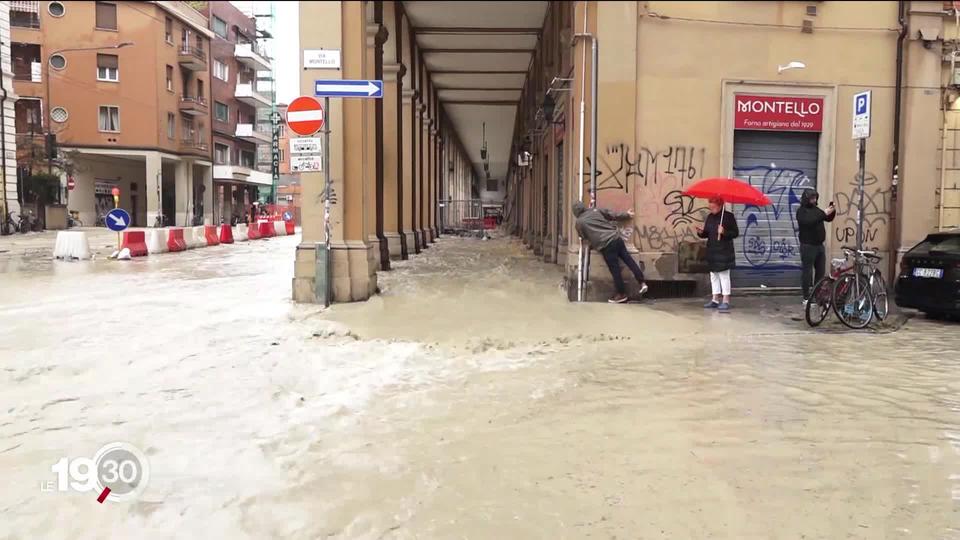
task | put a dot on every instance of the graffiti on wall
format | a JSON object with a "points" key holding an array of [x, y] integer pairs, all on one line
{"points": [[768, 234], [651, 180], [876, 212]]}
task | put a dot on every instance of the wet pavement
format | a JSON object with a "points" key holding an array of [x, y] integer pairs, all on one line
{"points": [[468, 400]]}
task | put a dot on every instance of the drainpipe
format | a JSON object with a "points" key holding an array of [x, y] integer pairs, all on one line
{"points": [[583, 91], [585, 257], [943, 143], [896, 203], [3, 158]]}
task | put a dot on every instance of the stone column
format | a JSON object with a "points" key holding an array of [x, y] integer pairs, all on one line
{"points": [[208, 195], [154, 191], [391, 180], [182, 195], [409, 172], [421, 171]]}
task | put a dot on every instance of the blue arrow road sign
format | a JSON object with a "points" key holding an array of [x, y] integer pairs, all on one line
{"points": [[117, 219], [345, 88]]}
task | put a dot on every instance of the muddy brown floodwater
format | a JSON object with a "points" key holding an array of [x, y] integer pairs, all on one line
{"points": [[468, 400]]}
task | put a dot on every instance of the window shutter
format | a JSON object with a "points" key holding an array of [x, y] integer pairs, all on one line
{"points": [[106, 15], [108, 61]]}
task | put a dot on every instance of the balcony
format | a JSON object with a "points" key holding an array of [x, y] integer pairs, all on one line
{"points": [[247, 94], [192, 58], [193, 105], [248, 133], [193, 145], [242, 174], [252, 56]]}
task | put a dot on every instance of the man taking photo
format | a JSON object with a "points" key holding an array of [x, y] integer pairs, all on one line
{"points": [[812, 233]]}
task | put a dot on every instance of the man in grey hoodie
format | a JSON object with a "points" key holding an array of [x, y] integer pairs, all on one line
{"points": [[599, 228]]}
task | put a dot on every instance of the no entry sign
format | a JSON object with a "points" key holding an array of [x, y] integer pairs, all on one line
{"points": [[305, 116]]}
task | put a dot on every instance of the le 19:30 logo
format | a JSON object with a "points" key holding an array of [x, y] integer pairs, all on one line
{"points": [[118, 472]]}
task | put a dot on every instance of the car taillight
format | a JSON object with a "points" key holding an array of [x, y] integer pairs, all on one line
{"points": [[904, 267]]}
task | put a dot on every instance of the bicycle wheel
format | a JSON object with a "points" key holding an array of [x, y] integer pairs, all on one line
{"points": [[878, 289], [852, 301], [820, 301]]}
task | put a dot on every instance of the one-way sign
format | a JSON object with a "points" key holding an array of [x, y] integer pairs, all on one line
{"points": [[348, 88]]}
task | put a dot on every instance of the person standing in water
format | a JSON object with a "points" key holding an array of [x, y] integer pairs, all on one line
{"points": [[719, 228], [812, 233], [599, 228]]}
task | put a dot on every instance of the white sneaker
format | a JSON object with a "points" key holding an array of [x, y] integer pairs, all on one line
{"points": [[643, 290]]}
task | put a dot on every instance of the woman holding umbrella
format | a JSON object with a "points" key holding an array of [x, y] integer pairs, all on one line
{"points": [[719, 228]]}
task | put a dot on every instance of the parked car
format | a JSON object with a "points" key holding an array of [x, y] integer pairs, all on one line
{"points": [[929, 277]]}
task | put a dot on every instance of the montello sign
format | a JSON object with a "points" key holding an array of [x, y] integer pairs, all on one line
{"points": [[778, 113]]}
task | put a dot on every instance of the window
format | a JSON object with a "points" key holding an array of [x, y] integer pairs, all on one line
{"points": [[492, 185], [221, 112], [221, 70], [188, 132], [25, 14], [59, 115], [58, 62], [200, 94], [220, 27], [106, 16], [109, 118], [26, 62], [170, 78], [221, 154], [247, 159], [108, 67], [56, 9], [168, 30], [171, 126], [28, 117]]}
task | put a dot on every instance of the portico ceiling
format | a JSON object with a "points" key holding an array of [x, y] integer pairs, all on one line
{"points": [[478, 54]]}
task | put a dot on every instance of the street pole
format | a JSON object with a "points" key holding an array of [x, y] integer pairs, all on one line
{"points": [[326, 287], [862, 157]]}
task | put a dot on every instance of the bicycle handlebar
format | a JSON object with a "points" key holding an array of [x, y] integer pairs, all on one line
{"points": [[868, 254]]}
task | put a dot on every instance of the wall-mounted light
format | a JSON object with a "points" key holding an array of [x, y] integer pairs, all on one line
{"points": [[791, 65]]}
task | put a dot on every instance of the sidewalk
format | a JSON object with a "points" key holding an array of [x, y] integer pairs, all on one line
{"points": [[40, 244]]}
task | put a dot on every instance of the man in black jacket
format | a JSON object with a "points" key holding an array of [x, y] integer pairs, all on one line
{"points": [[812, 234]]}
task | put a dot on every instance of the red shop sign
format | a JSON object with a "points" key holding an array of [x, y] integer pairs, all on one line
{"points": [[778, 113]]}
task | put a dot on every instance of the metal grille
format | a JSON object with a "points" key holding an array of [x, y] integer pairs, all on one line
{"points": [[781, 165]]}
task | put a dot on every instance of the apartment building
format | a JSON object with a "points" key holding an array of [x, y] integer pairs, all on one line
{"points": [[9, 200], [124, 88], [236, 57]]}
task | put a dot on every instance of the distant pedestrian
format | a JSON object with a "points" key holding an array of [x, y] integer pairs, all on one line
{"points": [[599, 228], [719, 228], [812, 233]]}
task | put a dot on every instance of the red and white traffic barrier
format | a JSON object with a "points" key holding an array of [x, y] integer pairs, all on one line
{"points": [[291, 226], [266, 229], [135, 241], [72, 245], [226, 234], [253, 232], [175, 240], [240, 235], [210, 233], [279, 228], [156, 241]]}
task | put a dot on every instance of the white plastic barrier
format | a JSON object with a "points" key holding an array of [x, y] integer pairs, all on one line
{"points": [[240, 233], [156, 241], [198, 237], [279, 228], [71, 245]]}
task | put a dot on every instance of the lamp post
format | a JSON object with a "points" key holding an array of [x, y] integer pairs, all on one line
{"points": [[46, 81]]}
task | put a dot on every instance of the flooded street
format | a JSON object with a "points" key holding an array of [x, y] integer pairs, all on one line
{"points": [[468, 400]]}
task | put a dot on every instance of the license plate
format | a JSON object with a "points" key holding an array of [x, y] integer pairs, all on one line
{"points": [[928, 272]]}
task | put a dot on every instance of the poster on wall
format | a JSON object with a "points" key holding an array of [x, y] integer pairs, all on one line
{"points": [[778, 113]]}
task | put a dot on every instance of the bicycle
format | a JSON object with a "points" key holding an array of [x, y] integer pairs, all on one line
{"points": [[840, 284], [12, 223], [859, 289]]}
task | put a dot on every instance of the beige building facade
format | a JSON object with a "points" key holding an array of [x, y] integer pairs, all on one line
{"points": [[761, 91]]}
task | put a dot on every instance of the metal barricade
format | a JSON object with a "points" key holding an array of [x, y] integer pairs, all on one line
{"points": [[463, 217]]}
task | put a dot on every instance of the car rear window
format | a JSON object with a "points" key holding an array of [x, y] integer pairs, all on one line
{"points": [[938, 243]]}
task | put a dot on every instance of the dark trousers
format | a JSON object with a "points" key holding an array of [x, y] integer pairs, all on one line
{"points": [[613, 254], [814, 261]]}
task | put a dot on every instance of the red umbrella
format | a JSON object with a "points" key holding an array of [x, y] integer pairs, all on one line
{"points": [[731, 190]]}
